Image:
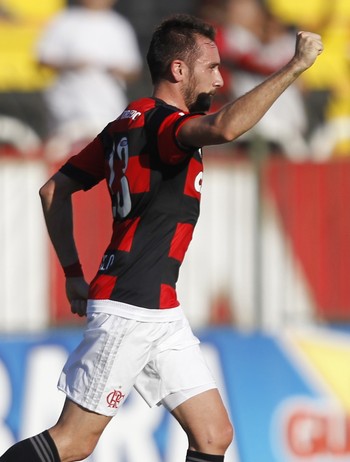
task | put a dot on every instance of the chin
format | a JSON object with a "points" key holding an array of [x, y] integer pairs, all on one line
{"points": [[202, 103]]}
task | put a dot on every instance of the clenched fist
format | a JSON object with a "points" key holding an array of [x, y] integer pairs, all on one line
{"points": [[308, 47]]}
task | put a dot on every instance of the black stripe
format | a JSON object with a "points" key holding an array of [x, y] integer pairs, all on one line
{"points": [[194, 456]]}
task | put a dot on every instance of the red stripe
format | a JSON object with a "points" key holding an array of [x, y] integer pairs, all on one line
{"points": [[123, 234], [167, 297], [181, 241], [102, 287]]}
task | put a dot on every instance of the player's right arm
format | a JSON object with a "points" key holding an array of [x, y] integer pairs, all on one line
{"points": [[56, 199], [56, 202], [81, 172]]}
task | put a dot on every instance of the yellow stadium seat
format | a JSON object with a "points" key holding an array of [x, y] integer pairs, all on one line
{"points": [[19, 70]]}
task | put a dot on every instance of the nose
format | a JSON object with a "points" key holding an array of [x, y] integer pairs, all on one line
{"points": [[219, 81]]}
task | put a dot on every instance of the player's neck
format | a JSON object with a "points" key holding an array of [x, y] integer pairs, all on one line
{"points": [[170, 94]]}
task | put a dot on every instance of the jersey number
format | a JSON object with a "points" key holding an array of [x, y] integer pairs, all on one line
{"points": [[118, 182]]}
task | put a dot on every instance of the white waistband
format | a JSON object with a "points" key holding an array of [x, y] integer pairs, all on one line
{"points": [[135, 312]]}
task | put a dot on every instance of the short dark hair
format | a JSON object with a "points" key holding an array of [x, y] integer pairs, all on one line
{"points": [[175, 38]]}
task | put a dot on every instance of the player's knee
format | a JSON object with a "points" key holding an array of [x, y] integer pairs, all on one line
{"points": [[74, 452], [74, 448], [83, 452], [214, 438], [223, 436]]}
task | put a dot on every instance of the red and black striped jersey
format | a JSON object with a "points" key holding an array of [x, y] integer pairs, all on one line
{"points": [[154, 185]]}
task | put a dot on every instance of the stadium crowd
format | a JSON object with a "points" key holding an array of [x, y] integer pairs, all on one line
{"points": [[311, 121]]}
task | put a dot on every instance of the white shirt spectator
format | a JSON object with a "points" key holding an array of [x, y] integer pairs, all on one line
{"points": [[93, 52]]}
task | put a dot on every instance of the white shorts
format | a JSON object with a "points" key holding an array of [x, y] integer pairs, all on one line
{"points": [[162, 360]]}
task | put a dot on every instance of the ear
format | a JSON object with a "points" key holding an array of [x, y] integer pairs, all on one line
{"points": [[178, 70]]}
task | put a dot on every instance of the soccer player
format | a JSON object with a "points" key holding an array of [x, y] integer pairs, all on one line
{"points": [[137, 334]]}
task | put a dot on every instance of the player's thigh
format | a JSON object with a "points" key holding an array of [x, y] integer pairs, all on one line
{"points": [[205, 420]]}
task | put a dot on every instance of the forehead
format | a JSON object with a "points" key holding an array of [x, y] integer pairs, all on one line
{"points": [[208, 51]]}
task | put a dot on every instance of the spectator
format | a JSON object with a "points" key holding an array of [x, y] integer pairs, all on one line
{"points": [[95, 54], [328, 86]]}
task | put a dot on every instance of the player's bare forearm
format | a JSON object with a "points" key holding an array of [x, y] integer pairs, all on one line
{"points": [[237, 117], [248, 110], [57, 209]]}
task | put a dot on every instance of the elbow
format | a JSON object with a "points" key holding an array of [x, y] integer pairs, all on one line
{"points": [[57, 190], [218, 135], [228, 126], [224, 131], [231, 133], [46, 192], [227, 135]]}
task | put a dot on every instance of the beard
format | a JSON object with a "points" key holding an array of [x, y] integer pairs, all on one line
{"points": [[196, 102], [202, 103]]}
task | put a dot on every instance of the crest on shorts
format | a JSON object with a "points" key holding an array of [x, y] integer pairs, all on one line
{"points": [[114, 398]]}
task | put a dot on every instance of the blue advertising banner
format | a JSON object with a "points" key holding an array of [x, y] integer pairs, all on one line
{"points": [[288, 396]]}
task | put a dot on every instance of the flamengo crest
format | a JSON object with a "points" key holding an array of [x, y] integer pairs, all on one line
{"points": [[114, 398]]}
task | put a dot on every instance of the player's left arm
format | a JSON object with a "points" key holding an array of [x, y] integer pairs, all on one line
{"points": [[237, 117]]}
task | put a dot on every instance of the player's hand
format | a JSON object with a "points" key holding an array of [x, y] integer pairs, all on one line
{"points": [[77, 291], [308, 47]]}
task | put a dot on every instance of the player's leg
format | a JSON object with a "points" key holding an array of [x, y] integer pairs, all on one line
{"points": [[193, 396], [84, 379], [73, 438], [77, 432], [206, 423]]}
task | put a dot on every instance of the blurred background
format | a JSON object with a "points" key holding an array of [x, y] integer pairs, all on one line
{"points": [[265, 283]]}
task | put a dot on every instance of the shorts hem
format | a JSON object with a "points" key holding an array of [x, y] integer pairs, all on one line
{"points": [[175, 398], [93, 409]]}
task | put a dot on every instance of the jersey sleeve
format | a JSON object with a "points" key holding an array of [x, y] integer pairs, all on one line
{"points": [[169, 148], [87, 167]]}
